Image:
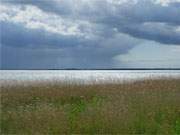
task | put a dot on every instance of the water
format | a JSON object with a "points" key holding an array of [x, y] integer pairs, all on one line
{"points": [[82, 76]]}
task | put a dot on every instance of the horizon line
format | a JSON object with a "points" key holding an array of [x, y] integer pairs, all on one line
{"points": [[97, 69]]}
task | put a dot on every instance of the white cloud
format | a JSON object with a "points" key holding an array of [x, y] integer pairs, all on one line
{"points": [[34, 18]]}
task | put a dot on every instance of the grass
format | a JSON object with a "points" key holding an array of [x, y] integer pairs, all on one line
{"points": [[143, 107]]}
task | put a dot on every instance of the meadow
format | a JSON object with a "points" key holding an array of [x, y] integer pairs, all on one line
{"points": [[140, 107]]}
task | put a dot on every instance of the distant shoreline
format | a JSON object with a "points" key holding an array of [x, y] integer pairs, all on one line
{"points": [[103, 69], [98, 69]]}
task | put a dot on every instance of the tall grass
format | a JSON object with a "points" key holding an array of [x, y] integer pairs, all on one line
{"points": [[143, 107]]}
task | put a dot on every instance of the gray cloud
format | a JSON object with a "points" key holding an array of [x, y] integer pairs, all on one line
{"points": [[159, 32], [128, 17], [17, 35]]}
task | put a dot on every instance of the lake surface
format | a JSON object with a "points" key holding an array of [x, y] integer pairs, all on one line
{"points": [[83, 76]]}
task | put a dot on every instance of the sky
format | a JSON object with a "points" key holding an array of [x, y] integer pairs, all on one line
{"points": [[59, 34]]}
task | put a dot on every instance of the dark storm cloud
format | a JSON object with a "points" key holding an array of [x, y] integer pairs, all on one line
{"points": [[19, 52], [153, 22], [17, 35], [162, 33], [24, 48], [71, 57]]}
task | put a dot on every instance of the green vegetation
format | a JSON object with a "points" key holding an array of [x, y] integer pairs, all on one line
{"points": [[143, 107]]}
